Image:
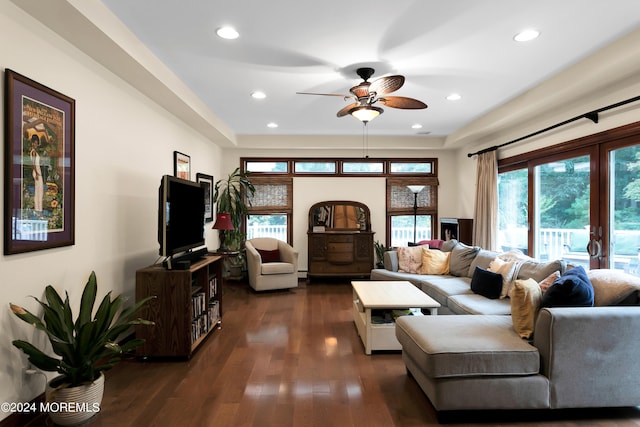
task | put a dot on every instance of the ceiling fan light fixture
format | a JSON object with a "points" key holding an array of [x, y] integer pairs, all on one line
{"points": [[365, 113]]}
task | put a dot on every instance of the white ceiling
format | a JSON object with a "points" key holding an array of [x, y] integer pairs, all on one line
{"points": [[289, 46]]}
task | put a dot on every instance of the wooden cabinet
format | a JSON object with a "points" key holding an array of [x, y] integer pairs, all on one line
{"points": [[187, 307], [460, 229], [340, 254], [340, 240]]}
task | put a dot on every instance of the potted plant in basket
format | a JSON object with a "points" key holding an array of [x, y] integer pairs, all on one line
{"points": [[87, 346], [233, 196]]}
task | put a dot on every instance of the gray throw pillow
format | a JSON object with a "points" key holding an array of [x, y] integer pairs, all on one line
{"points": [[461, 258], [538, 271]]}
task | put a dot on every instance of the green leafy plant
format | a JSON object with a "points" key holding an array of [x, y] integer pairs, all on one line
{"points": [[380, 249], [233, 196], [87, 345]]}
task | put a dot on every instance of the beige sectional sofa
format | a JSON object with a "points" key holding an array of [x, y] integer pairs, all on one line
{"points": [[577, 357]]}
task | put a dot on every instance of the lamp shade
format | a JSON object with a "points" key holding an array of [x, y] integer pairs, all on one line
{"points": [[223, 222], [415, 189], [365, 113]]}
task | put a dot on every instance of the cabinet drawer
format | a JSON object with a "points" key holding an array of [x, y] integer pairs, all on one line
{"points": [[339, 239]]}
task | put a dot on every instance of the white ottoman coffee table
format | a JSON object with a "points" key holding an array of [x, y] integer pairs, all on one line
{"points": [[385, 295]]}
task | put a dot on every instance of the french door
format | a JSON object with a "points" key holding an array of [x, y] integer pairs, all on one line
{"points": [[581, 204]]}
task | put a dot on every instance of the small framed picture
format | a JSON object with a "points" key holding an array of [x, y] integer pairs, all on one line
{"points": [[181, 165], [206, 182]]}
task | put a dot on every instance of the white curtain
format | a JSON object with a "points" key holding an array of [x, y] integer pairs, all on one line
{"points": [[486, 206]]}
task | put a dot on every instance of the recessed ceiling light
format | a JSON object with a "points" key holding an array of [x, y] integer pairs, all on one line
{"points": [[454, 97], [416, 126], [526, 35], [228, 33], [272, 125], [258, 95]]}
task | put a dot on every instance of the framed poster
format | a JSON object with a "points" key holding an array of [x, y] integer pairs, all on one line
{"points": [[181, 165], [206, 181], [39, 211]]}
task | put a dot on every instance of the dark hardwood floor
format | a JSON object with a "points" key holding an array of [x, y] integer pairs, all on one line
{"points": [[293, 358]]}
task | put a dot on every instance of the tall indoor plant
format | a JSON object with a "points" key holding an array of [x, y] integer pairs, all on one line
{"points": [[233, 196], [87, 345]]}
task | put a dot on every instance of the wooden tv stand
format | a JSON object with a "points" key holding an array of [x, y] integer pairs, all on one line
{"points": [[187, 307]]}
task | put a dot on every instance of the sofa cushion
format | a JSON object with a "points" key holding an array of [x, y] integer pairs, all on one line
{"points": [[384, 274], [410, 259], [482, 260], [612, 287], [526, 296], [440, 288], [477, 304], [277, 268], [465, 346], [434, 261], [461, 258], [390, 260], [572, 289], [538, 271], [486, 283]]}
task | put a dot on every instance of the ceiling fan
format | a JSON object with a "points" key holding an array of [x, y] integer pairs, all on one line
{"points": [[368, 93]]}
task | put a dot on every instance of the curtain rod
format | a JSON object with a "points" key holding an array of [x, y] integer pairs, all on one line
{"points": [[592, 115]]}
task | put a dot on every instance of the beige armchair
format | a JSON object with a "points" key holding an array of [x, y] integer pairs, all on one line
{"points": [[271, 264]]}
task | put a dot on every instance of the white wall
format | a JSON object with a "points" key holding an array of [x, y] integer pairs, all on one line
{"points": [[124, 144]]}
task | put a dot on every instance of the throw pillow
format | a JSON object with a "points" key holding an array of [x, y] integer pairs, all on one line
{"points": [[526, 297], [572, 289], [508, 271], [461, 258], [434, 261], [486, 283], [612, 287], [409, 259], [538, 271], [548, 281], [269, 256]]}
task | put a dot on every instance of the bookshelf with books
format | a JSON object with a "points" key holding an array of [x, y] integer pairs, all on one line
{"points": [[186, 310]]}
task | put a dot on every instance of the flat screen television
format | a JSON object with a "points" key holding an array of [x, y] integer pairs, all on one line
{"points": [[180, 215]]}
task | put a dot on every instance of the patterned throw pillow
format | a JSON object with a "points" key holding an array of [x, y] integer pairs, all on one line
{"points": [[410, 259]]}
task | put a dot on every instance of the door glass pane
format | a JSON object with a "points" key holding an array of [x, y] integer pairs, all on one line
{"points": [[562, 197], [267, 226], [402, 229], [512, 210], [624, 209]]}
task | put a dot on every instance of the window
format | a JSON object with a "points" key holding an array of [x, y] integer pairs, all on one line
{"points": [[512, 210], [315, 167], [581, 203], [271, 208], [411, 216], [363, 167]]}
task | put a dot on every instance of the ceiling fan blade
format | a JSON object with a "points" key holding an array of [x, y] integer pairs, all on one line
{"points": [[402, 102], [346, 109], [324, 94], [385, 85]]}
